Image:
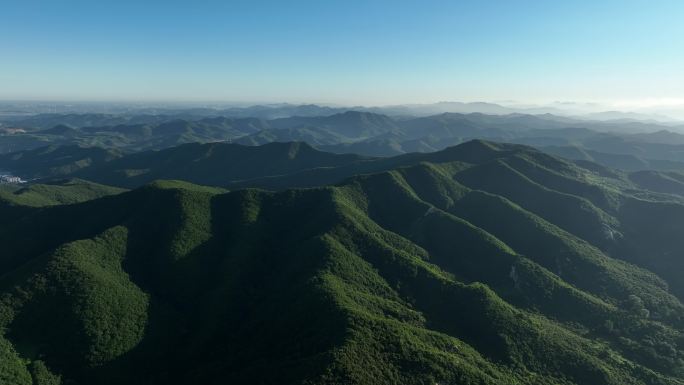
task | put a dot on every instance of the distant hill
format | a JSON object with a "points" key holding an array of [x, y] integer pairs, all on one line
{"points": [[59, 192], [364, 132], [311, 135], [483, 263], [76, 120], [448, 126], [664, 182], [277, 111], [55, 161], [662, 136], [617, 115], [136, 137], [218, 164], [222, 164], [388, 145], [347, 126], [626, 162], [60, 129]]}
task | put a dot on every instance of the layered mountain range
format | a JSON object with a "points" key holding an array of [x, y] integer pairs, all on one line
{"points": [[623, 143], [483, 263]]}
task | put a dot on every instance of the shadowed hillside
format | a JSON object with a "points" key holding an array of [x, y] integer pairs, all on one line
{"points": [[215, 163], [481, 264]]}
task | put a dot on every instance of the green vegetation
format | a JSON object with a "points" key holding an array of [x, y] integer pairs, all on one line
{"points": [[54, 193], [142, 133], [480, 264], [55, 161], [626, 144], [217, 164]]}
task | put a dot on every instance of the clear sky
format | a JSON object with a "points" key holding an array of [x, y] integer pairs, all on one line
{"points": [[346, 52]]}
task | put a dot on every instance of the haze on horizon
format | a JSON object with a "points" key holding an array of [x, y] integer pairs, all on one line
{"points": [[621, 54]]}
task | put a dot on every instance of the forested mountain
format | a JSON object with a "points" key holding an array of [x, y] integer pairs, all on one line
{"points": [[273, 166], [625, 160], [55, 161], [176, 210], [134, 137], [628, 144], [219, 164], [59, 192], [349, 126], [483, 263]]}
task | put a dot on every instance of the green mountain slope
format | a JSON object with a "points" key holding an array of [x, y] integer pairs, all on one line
{"points": [[426, 272], [310, 135], [583, 199], [55, 161], [349, 124], [586, 200], [627, 144], [54, 193], [664, 182], [134, 134], [217, 164], [623, 161]]}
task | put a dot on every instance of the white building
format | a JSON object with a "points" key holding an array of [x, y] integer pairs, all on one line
{"points": [[10, 179]]}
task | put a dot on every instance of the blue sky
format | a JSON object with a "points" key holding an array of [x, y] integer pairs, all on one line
{"points": [[346, 52]]}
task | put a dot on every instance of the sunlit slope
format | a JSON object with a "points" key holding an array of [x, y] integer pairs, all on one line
{"points": [[404, 276], [54, 193], [596, 204]]}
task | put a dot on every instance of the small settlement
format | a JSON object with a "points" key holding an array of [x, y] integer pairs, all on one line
{"points": [[10, 179]]}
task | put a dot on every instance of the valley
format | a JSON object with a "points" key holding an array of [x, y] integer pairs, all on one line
{"points": [[481, 263]]}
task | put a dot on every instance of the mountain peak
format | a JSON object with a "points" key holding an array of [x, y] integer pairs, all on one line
{"points": [[472, 151]]}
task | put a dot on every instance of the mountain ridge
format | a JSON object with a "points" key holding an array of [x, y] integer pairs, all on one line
{"points": [[378, 259]]}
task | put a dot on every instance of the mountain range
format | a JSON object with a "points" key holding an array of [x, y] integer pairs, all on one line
{"points": [[483, 263], [628, 144], [97, 114], [272, 166]]}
